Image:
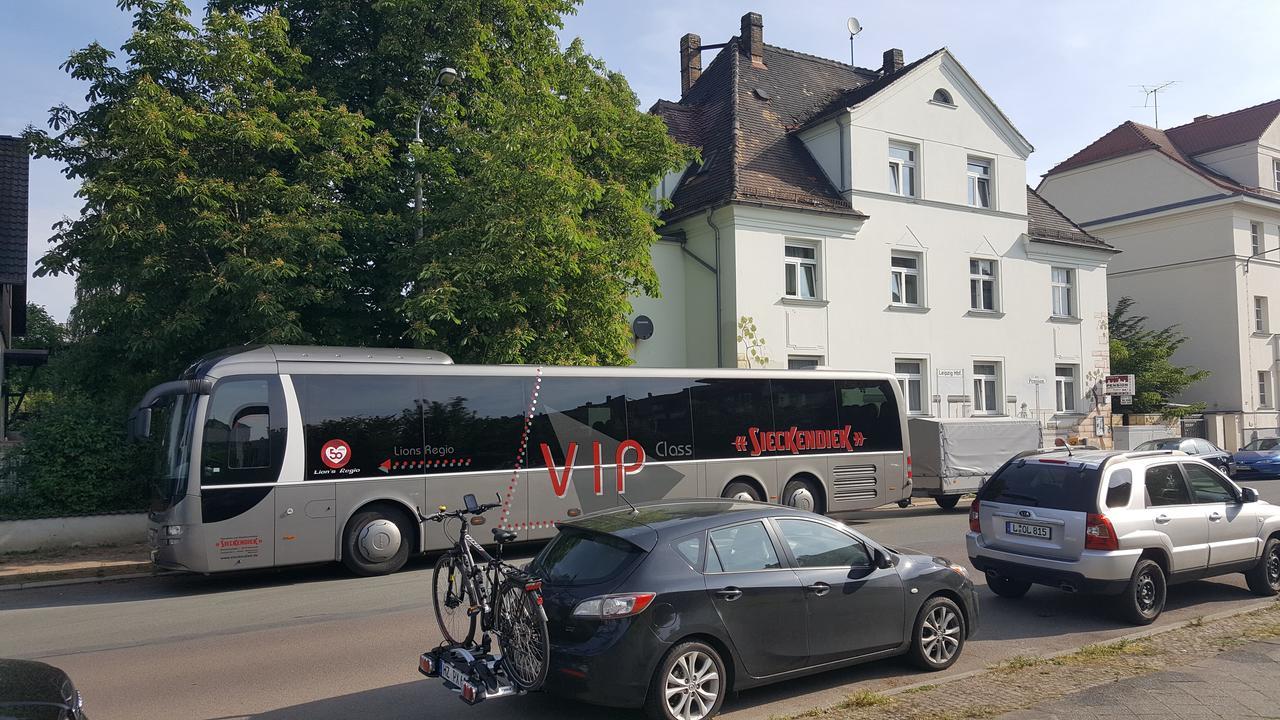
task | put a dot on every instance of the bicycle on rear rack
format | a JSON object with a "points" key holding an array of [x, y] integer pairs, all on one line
{"points": [[473, 589]]}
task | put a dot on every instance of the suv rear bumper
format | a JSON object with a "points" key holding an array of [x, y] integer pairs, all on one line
{"points": [[1103, 572]]}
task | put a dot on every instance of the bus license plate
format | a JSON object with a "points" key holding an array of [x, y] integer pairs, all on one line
{"points": [[1039, 532]]}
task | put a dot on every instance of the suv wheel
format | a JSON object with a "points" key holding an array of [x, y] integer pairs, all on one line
{"points": [[1143, 599], [1264, 578], [1007, 587]]}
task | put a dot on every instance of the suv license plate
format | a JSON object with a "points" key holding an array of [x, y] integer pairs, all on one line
{"points": [[1039, 532]]}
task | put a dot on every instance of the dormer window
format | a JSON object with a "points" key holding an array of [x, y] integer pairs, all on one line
{"points": [[942, 97]]}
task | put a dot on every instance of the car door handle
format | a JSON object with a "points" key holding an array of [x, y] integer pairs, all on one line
{"points": [[1162, 519], [729, 594], [819, 589], [1215, 516]]}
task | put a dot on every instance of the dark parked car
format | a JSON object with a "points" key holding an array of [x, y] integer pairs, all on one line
{"points": [[674, 604], [1202, 449], [1259, 458], [35, 691]]}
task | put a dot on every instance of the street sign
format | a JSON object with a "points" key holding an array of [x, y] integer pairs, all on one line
{"points": [[1119, 385], [950, 373], [1035, 380], [1126, 400], [1100, 425]]}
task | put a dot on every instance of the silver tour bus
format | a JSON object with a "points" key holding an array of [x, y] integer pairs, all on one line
{"points": [[280, 455]]}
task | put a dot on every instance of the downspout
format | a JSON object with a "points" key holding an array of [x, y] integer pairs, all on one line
{"points": [[719, 302]]}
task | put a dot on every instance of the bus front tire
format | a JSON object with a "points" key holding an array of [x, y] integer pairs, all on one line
{"points": [[376, 542], [738, 490]]}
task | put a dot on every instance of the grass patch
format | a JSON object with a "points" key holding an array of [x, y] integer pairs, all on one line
{"points": [[1018, 662], [1090, 654], [865, 699], [918, 689]]}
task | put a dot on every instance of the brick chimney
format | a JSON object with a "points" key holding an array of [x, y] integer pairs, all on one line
{"points": [[751, 39], [690, 61], [892, 61]]}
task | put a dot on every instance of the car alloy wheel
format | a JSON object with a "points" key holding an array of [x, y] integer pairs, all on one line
{"points": [[692, 686], [940, 636]]}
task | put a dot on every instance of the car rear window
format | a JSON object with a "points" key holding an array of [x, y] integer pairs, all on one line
{"points": [[578, 557], [1060, 487]]}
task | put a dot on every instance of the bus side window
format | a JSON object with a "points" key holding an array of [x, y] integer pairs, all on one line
{"points": [[805, 404], [243, 438], [659, 417], [725, 410], [869, 407], [250, 442]]}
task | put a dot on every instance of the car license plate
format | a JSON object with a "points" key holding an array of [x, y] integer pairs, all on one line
{"points": [[1040, 532], [452, 674]]}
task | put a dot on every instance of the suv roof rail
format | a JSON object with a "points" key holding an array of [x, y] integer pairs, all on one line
{"points": [[1133, 454]]}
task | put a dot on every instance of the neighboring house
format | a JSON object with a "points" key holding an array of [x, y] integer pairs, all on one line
{"points": [[873, 219], [13, 259], [1196, 210]]}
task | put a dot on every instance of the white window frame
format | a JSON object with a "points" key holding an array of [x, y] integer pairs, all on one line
{"points": [[1275, 170], [1264, 388], [797, 265], [1064, 290], [1065, 387], [977, 179], [919, 378], [1257, 243], [816, 360], [901, 170], [980, 381], [898, 276], [1261, 315], [976, 276]]}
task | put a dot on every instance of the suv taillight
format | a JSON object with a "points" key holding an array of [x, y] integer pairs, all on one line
{"points": [[1099, 534], [975, 525]]}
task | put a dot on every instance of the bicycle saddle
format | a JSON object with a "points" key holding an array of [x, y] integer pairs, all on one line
{"points": [[504, 536]]}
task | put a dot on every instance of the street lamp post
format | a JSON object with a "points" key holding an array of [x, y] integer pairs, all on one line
{"points": [[446, 77]]}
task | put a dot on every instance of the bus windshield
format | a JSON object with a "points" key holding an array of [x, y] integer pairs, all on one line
{"points": [[172, 419]]}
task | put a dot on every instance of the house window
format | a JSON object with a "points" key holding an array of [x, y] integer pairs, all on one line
{"points": [[942, 96], [803, 362], [986, 382], [1275, 169], [1063, 280], [1260, 320], [902, 169], [910, 374], [1255, 237], [1264, 388], [1065, 383], [904, 279], [979, 182], [802, 271], [982, 284]]}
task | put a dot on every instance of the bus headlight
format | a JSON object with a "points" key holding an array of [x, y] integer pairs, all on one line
{"points": [[173, 530]]}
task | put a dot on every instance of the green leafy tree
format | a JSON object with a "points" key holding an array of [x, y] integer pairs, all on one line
{"points": [[537, 168], [1146, 354], [213, 186]]}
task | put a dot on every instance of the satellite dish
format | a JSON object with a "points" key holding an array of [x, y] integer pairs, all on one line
{"points": [[855, 27]]}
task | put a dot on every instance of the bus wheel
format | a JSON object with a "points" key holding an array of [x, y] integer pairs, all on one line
{"points": [[738, 490], [376, 542], [802, 495]]}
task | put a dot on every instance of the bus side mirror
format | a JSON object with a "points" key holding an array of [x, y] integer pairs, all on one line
{"points": [[139, 425]]}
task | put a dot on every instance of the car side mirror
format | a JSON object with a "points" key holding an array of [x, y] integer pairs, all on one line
{"points": [[1248, 495], [882, 559]]}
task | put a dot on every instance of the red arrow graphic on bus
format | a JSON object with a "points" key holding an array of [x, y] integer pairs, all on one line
{"points": [[385, 466]]}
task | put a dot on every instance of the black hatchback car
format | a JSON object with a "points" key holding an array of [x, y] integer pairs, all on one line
{"points": [[32, 690], [673, 604], [1203, 449]]}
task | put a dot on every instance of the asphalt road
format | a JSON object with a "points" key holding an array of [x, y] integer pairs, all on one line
{"points": [[315, 643]]}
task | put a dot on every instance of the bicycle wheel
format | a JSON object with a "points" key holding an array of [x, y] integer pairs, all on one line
{"points": [[451, 601], [522, 636]]}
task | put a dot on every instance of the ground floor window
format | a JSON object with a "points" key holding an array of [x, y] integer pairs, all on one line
{"points": [[1065, 384], [986, 386], [803, 362], [910, 374]]}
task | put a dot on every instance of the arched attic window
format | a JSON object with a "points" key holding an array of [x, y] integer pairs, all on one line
{"points": [[942, 96]]}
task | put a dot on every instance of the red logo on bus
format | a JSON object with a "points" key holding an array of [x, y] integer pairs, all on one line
{"points": [[796, 441], [335, 453]]}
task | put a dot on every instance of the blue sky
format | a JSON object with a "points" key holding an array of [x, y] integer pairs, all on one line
{"points": [[1064, 72]]}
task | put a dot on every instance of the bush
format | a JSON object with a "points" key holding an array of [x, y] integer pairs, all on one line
{"points": [[75, 460]]}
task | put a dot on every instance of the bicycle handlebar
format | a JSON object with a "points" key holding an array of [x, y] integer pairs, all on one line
{"points": [[446, 513]]}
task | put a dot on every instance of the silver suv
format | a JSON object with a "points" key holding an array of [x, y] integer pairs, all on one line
{"points": [[1120, 523]]}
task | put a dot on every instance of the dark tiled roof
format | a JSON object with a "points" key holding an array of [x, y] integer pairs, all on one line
{"points": [[1180, 144], [1046, 223], [740, 117], [13, 210], [849, 98]]}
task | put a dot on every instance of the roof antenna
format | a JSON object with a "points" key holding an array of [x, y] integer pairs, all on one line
{"points": [[634, 511], [1153, 98], [855, 27]]}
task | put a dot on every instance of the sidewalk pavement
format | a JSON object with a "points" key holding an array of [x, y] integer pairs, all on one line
{"points": [[1239, 683], [19, 570]]}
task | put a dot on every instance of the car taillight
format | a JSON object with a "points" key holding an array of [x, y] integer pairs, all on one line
{"points": [[908, 467], [1099, 534], [614, 606], [975, 524]]}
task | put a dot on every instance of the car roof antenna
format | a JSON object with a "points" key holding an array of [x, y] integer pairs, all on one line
{"points": [[634, 511]]}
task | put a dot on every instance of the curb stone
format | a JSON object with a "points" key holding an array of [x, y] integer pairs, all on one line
{"points": [[129, 571]]}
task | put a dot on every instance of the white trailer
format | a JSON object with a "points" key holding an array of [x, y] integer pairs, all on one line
{"points": [[951, 457]]}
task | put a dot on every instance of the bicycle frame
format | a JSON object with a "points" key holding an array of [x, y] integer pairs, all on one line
{"points": [[489, 568]]}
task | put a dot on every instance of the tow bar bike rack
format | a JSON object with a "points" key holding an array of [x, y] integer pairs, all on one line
{"points": [[472, 672]]}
